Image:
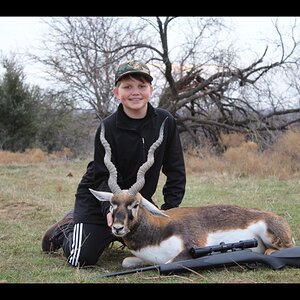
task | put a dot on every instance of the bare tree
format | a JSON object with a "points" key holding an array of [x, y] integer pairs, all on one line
{"points": [[77, 54], [200, 78], [216, 96]]}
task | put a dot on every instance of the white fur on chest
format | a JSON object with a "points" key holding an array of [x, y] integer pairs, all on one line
{"points": [[161, 253], [257, 230]]}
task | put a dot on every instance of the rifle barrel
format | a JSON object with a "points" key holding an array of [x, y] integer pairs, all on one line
{"points": [[130, 271]]}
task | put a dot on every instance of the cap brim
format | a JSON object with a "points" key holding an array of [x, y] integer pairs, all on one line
{"points": [[134, 72]]}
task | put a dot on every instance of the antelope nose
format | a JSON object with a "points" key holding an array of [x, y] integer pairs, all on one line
{"points": [[118, 227]]}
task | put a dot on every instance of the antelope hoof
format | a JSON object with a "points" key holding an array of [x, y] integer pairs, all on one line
{"points": [[132, 262]]}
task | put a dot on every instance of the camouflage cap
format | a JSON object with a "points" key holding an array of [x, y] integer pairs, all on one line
{"points": [[132, 67]]}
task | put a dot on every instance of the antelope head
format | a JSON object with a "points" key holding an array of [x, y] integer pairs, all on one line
{"points": [[125, 204]]}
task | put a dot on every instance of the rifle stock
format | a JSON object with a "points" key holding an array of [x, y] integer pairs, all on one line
{"points": [[277, 260]]}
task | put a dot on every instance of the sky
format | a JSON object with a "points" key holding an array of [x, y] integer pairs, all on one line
{"points": [[17, 34], [20, 33]]}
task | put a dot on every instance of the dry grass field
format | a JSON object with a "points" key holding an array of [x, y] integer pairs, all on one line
{"points": [[36, 190]]}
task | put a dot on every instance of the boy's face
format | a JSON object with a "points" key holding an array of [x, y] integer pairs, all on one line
{"points": [[133, 94]]}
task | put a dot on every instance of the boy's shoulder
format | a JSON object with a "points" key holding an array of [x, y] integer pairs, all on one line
{"points": [[163, 112], [110, 118]]}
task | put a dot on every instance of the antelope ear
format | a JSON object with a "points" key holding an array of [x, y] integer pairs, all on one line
{"points": [[102, 196], [152, 208]]}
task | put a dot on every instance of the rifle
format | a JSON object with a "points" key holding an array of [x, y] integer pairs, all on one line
{"points": [[233, 254], [222, 247]]}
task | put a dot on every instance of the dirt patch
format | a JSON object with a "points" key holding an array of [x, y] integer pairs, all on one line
{"points": [[18, 210]]}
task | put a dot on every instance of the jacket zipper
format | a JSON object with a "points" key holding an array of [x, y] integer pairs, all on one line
{"points": [[144, 152]]}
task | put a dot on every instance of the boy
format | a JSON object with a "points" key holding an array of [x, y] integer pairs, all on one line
{"points": [[85, 232]]}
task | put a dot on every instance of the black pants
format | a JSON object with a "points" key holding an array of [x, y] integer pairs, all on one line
{"points": [[84, 243]]}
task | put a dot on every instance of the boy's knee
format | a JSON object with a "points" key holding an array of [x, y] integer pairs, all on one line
{"points": [[88, 261], [83, 261]]}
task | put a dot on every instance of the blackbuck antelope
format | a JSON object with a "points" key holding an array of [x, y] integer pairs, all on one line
{"points": [[157, 237]]}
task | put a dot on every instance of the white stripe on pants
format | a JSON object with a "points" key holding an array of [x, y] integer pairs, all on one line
{"points": [[76, 244]]}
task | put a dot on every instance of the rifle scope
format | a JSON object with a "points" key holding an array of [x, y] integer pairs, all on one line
{"points": [[222, 247]]}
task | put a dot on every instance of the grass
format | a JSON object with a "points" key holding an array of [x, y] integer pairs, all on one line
{"points": [[35, 195]]}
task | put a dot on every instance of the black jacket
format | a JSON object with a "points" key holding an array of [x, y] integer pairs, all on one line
{"points": [[130, 141]]}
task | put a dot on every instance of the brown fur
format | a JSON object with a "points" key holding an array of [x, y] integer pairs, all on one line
{"points": [[194, 224], [144, 228]]}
